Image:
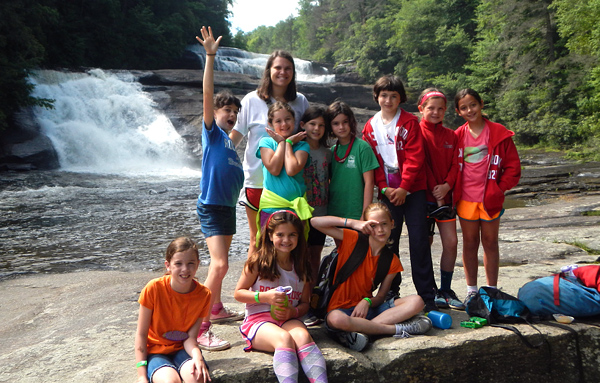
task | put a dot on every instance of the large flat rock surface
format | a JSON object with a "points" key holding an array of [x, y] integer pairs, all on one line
{"points": [[79, 327]]}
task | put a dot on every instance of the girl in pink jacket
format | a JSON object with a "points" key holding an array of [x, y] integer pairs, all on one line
{"points": [[489, 165]]}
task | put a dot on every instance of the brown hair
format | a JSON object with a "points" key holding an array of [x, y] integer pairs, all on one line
{"points": [[277, 106], [314, 112], [466, 92], [265, 256], [390, 83], [178, 245], [225, 97], [339, 107], [429, 90], [265, 86]]}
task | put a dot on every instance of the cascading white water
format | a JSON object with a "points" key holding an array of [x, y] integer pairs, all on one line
{"points": [[240, 61], [105, 123]]}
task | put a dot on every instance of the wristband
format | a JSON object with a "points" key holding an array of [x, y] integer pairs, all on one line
{"points": [[368, 300], [289, 141], [383, 190], [345, 222], [211, 54], [256, 297], [142, 363]]}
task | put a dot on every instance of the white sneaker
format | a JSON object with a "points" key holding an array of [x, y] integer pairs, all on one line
{"points": [[356, 341], [225, 315], [210, 342]]}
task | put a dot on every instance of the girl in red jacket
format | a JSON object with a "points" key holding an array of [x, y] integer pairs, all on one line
{"points": [[441, 168], [489, 165]]}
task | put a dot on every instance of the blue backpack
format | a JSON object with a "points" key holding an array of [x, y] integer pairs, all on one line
{"points": [[558, 294]]}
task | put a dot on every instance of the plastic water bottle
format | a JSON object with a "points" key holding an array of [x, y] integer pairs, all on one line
{"points": [[568, 270], [440, 320], [282, 289]]}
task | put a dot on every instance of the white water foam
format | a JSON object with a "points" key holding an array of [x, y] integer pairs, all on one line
{"points": [[239, 61], [104, 123]]}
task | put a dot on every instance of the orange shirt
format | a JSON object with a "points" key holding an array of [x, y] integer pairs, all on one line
{"points": [[359, 285], [172, 311]]}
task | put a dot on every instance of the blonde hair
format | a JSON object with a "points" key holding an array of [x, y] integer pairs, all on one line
{"points": [[377, 206]]}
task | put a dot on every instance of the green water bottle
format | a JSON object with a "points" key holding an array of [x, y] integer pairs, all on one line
{"points": [[282, 289]]}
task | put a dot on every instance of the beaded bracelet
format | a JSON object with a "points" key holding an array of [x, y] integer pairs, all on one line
{"points": [[142, 363], [256, 297], [368, 300]]}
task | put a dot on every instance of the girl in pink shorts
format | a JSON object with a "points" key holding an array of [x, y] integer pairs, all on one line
{"points": [[272, 322]]}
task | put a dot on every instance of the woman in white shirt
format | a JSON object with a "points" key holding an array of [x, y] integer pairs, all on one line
{"points": [[278, 83]]}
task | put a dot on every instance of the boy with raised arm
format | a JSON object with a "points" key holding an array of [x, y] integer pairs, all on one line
{"points": [[222, 179]]}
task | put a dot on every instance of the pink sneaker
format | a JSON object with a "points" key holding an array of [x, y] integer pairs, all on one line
{"points": [[210, 342], [225, 315]]}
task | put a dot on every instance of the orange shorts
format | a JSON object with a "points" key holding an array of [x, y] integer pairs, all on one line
{"points": [[474, 211]]}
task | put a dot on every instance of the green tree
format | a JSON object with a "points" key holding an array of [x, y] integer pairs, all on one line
{"points": [[524, 72], [20, 52], [579, 23]]}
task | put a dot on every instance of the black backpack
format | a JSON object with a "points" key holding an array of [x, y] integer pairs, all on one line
{"points": [[326, 285], [499, 307]]}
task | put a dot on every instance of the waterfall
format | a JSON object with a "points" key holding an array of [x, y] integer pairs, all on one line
{"points": [[240, 61], [104, 123]]}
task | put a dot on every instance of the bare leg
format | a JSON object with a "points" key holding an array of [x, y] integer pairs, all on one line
{"points": [[251, 214], [292, 334], [384, 324], [449, 245], [218, 248], [491, 251], [166, 374], [470, 231]]}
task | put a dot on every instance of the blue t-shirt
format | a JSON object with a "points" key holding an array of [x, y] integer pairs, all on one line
{"points": [[222, 172], [283, 185]]}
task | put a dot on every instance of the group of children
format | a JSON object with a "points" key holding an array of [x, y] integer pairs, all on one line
{"points": [[296, 191]]}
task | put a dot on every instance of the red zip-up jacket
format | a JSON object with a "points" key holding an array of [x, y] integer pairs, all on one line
{"points": [[504, 167], [441, 161], [411, 155]]}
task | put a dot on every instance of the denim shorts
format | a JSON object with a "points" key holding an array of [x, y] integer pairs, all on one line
{"points": [[372, 313], [216, 219], [174, 360]]}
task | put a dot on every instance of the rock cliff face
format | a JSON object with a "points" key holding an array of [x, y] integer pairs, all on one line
{"points": [[24, 147], [178, 93]]}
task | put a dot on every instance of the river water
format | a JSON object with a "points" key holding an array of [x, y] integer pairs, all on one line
{"points": [[127, 184], [126, 187], [52, 222]]}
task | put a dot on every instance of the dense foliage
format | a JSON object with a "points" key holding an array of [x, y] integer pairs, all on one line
{"points": [[536, 62], [119, 34]]}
